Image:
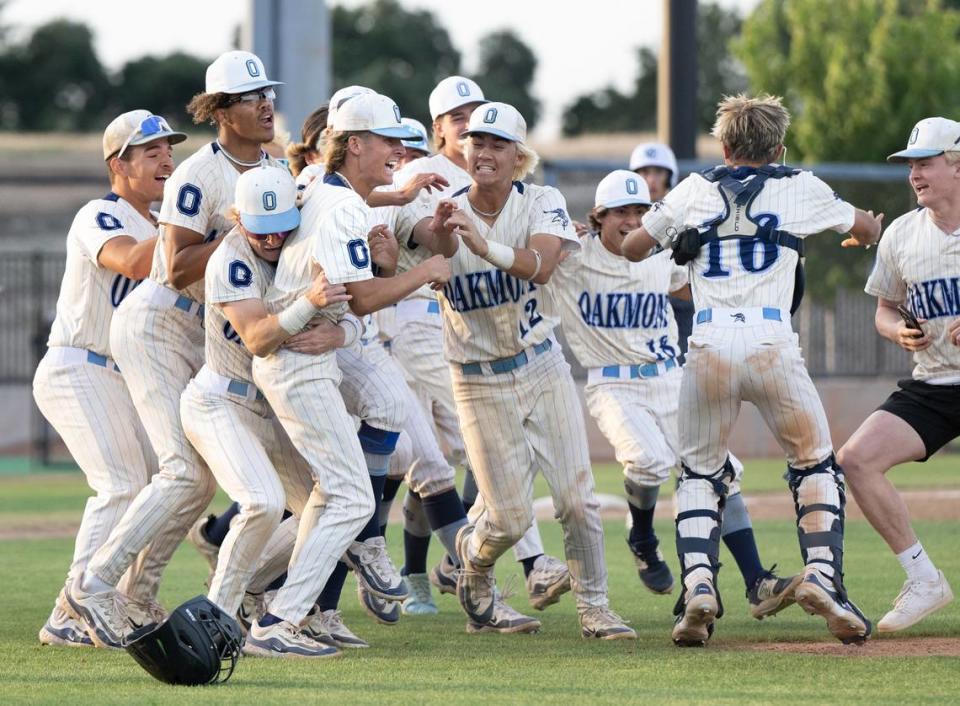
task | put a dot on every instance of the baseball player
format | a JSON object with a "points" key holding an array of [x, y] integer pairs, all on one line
{"points": [[742, 267], [516, 401], [77, 385], [621, 328], [360, 155], [917, 268], [225, 417], [158, 332], [416, 343]]}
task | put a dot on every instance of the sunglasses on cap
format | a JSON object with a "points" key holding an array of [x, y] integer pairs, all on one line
{"points": [[261, 94], [263, 236], [152, 125]]}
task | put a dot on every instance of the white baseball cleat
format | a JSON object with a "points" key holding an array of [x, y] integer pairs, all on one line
{"points": [[103, 614], [694, 625], [384, 612], [420, 600], [329, 624], [443, 576], [549, 580], [476, 587], [506, 620], [140, 613], [602, 623], [916, 601], [61, 629], [374, 569], [819, 595], [284, 639]]}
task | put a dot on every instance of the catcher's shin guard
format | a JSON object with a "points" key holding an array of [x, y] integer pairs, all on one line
{"points": [[700, 501], [819, 499]]}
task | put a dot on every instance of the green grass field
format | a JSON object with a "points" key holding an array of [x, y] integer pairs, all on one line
{"points": [[432, 659]]}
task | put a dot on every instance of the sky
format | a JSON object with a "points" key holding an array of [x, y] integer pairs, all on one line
{"points": [[579, 51]]}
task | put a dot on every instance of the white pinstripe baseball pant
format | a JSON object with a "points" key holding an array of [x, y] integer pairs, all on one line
{"points": [[161, 349], [513, 424]]}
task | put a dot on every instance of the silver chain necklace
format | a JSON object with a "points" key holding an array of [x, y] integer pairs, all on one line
{"points": [[239, 162], [494, 214]]}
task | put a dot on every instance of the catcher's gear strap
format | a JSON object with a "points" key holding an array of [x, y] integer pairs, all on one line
{"points": [[718, 479]]}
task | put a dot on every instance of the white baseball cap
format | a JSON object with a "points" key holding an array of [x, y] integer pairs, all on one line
{"points": [[341, 97], [371, 112], [621, 188], [929, 138], [451, 93], [420, 142], [655, 154], [500, 119], [237, 72], [136, 127], [266, 198]]}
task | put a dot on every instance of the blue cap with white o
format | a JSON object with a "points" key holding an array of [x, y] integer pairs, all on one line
{"points": [[500, 119], [266, 198], [929, 138], [622, 188]]}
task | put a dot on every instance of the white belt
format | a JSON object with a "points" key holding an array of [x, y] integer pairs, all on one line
{"points": [[741, 316], [168, 298], [214, 382], [65, 355], [628, 372], [417, 309]]}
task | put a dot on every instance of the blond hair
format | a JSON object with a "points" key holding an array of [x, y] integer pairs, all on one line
{"points": [[310, 136], [335, 149], [752, 129], [952, 157], [529, 159]]}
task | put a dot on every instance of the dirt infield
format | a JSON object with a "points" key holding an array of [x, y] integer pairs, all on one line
{"points": [[876, 647], [941, 504]]}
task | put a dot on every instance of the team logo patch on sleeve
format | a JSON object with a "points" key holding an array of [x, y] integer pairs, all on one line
{"points": [[240, 275], [559, 216], [108, 222]]}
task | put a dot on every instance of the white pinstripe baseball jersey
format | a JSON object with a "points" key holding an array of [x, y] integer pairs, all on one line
{"points": [[487, 313], [234, 273], [334, 222], [919, 264], [727, 274], [198, 195], [617, 312], [89, 292]]}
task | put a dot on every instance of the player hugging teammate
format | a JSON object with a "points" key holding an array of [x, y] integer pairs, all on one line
{"points": [[259, 366]]}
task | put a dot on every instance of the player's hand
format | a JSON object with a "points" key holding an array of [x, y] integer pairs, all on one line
{"points": [[953, 332], [428, 181], [445, 209], [321, 337], [583, 230], [866, 241], [437, 270], [910, 339], [322, 293], [384, 248], [463, 226]]}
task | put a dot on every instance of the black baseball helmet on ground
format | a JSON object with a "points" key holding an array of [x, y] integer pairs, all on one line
{"points": [[197, 644]]}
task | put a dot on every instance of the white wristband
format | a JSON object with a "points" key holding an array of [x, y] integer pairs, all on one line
{"points": [[351, 330], [297, 315], [500, 255]]}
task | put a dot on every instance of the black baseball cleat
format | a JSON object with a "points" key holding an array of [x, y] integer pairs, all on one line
{"points": [[653, 570], [817, 595]]}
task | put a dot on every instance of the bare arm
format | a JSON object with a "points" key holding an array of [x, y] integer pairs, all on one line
{"points": [[373, 294], [436, 234], [637, 245], [890, 325], [125, 255], [865, 230], [261, 332], [409, 191], [187, 255]]}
